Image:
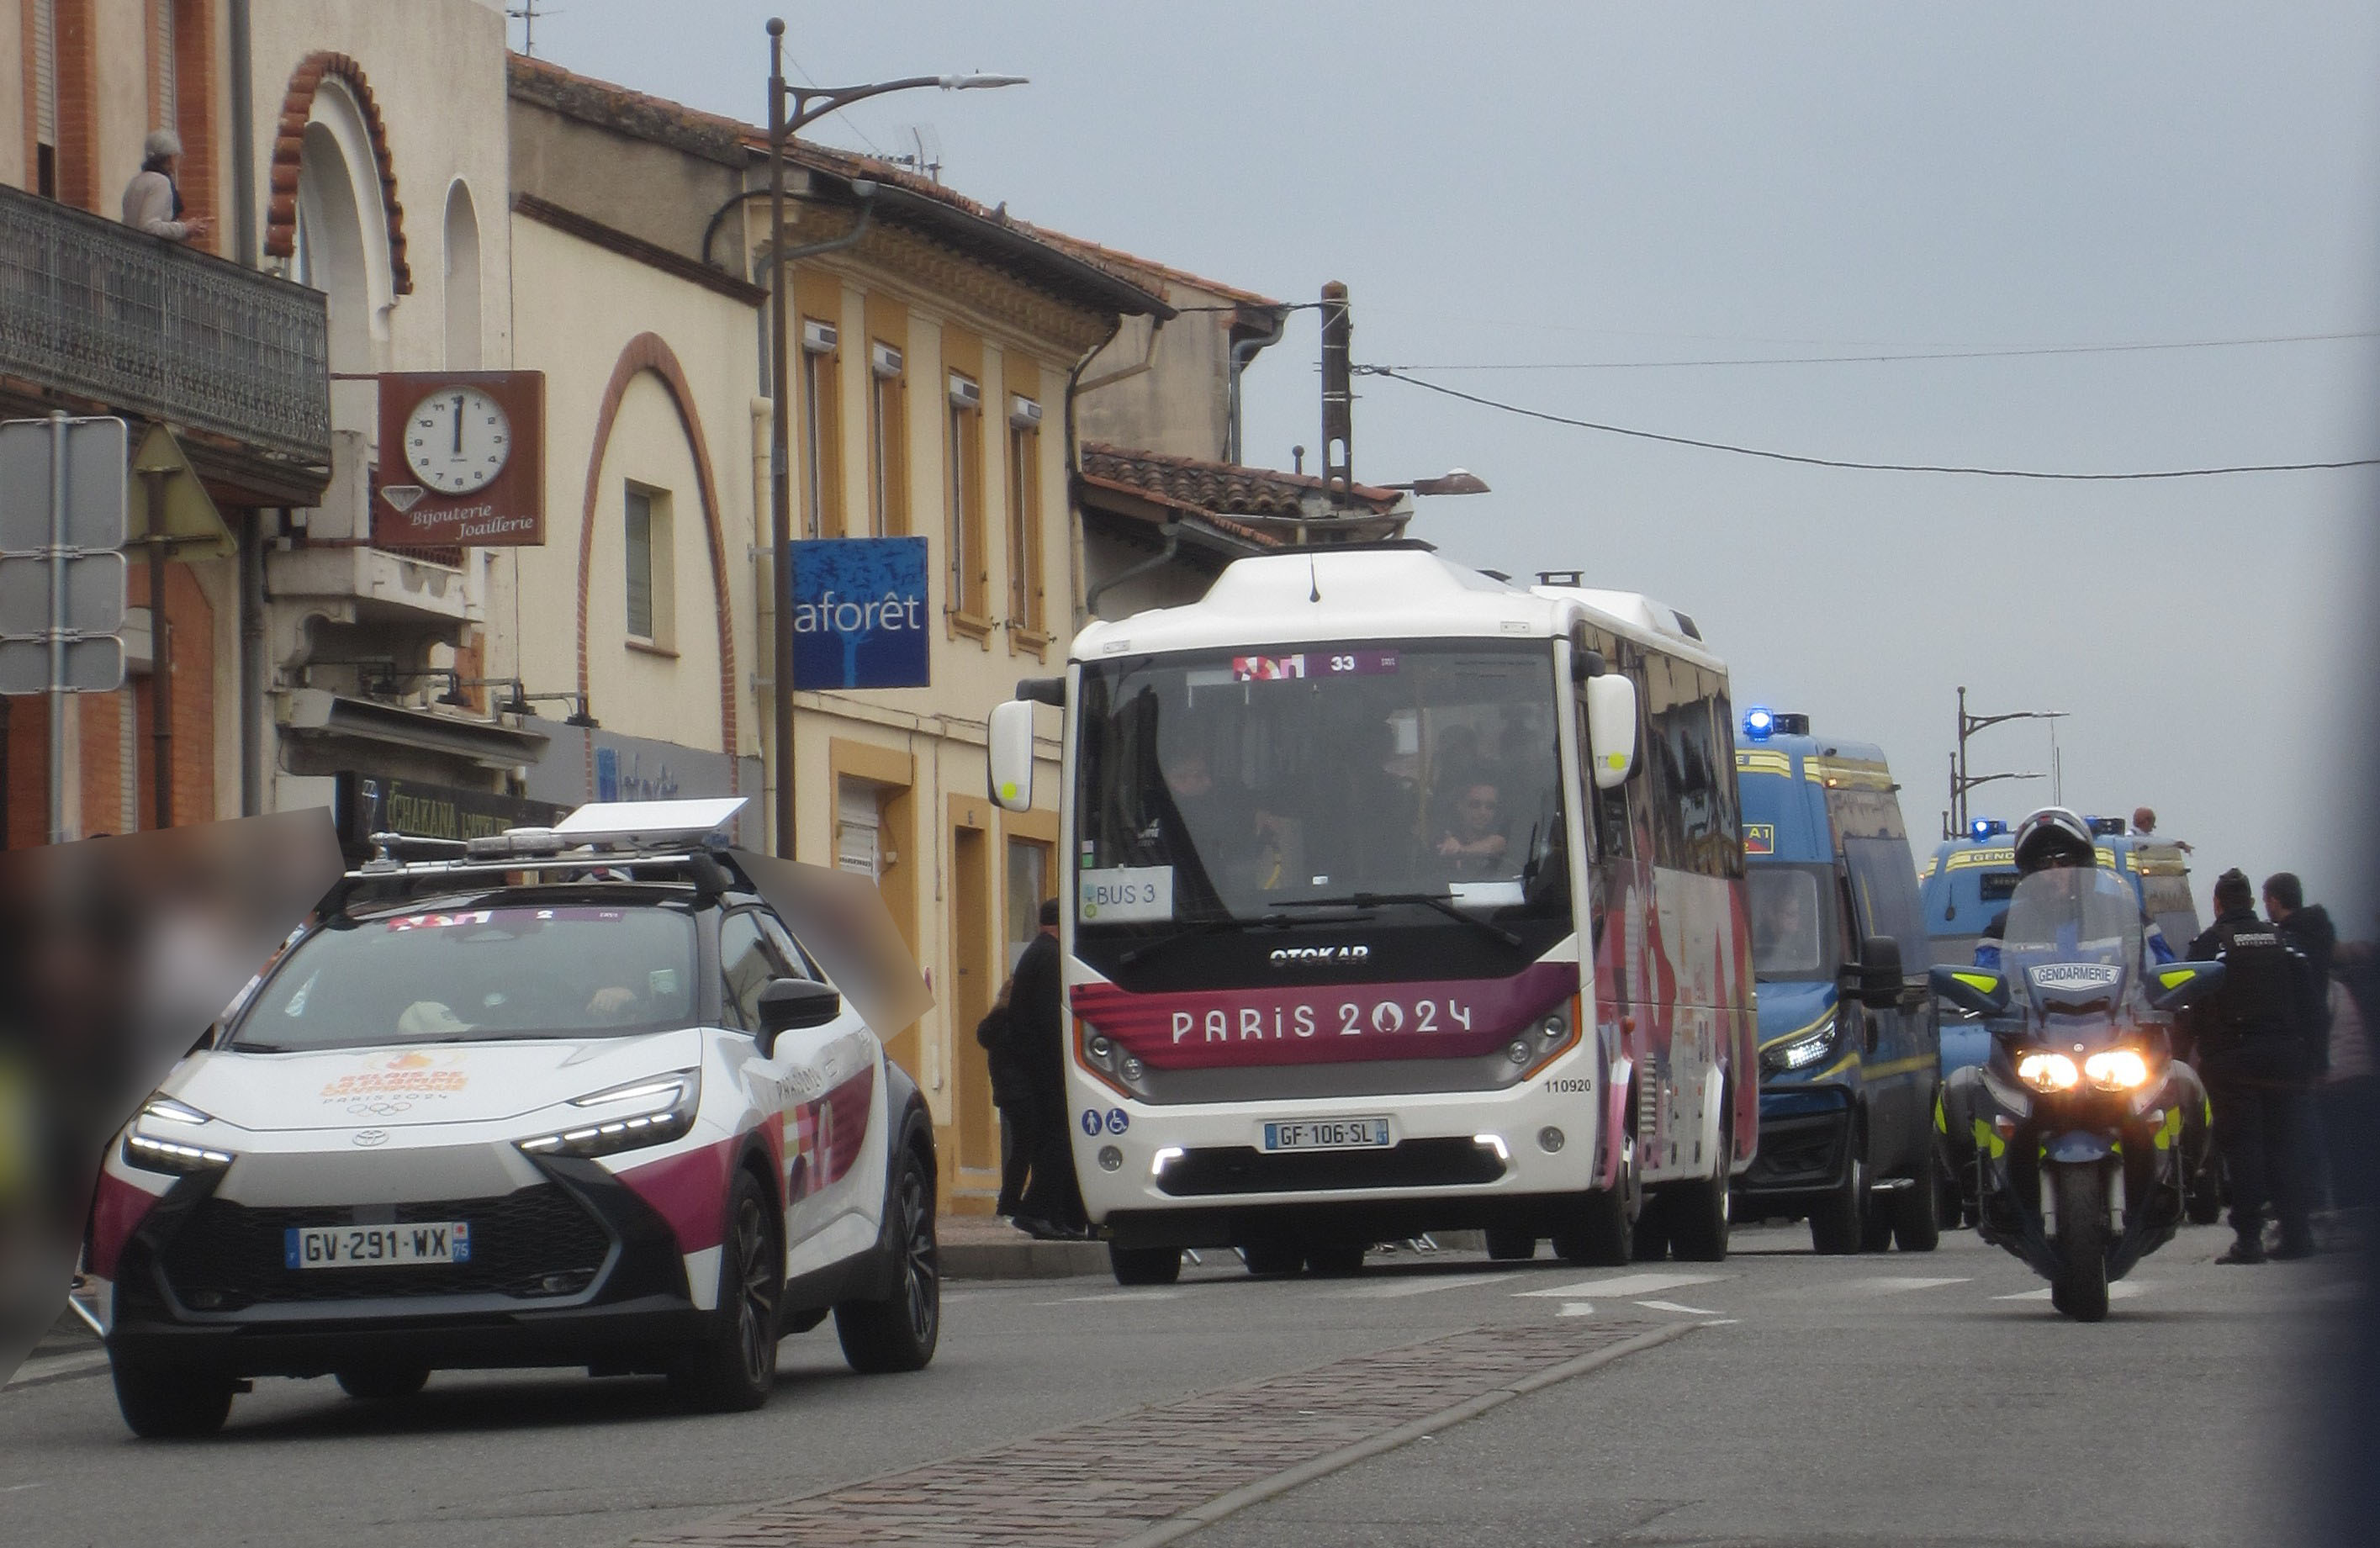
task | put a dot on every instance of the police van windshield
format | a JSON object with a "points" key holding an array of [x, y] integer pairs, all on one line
{"points": [[1232, 785], [1790, 934], [479, 973]]}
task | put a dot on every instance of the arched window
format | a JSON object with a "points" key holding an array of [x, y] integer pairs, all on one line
{"points": [[463, 322]]}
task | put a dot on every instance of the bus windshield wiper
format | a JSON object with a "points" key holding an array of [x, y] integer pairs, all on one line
{"points": [[1216, 925], [1442, 901]]}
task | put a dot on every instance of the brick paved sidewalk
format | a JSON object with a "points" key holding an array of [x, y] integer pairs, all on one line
{"points": [[1100, 1483]]}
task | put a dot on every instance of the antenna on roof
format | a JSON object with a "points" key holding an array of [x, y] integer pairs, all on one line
{"points": [[526, 13], [927, 158]]}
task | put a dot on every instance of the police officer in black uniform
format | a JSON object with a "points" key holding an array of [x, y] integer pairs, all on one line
{"points": [[2252, 1048]]}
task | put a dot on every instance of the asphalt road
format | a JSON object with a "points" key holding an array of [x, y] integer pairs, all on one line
{"points": [[1897, 1399]]}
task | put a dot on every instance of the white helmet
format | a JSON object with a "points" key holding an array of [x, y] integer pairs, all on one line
{"points": [[2050, 836]]}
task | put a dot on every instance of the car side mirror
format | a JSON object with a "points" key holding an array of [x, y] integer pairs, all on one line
{"points": [[1611, 728], [1978, 991], [2176, 984], [1009, 755], [792, 1004], [1875, 980]]}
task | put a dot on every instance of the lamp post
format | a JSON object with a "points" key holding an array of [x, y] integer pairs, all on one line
{"points": [[1455, 480], [809, 103], [1961, 781]]}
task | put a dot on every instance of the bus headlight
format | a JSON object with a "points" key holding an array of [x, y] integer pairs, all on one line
{"points": [[2048, 1072], [2117, 1070], [1546, 1038]]}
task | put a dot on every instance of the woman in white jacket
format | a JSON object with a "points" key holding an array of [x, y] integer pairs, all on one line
{"points": [[151, 201]]}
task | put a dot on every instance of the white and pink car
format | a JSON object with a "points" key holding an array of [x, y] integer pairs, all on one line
{"points": [[572, 1096]]}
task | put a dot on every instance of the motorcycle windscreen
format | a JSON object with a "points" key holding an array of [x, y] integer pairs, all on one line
{"points": [[2074, 936]]}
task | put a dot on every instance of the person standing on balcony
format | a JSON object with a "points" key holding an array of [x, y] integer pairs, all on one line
{"points": [[152, 201]]}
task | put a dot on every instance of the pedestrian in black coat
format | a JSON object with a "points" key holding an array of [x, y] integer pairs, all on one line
{"points": [[1037, 1030]]}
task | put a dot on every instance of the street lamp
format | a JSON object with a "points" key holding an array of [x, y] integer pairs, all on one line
{"points": [[1961, 781], [1455, 480], [809, 103]]}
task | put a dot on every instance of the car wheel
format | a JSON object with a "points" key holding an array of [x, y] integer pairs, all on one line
{"points": [[1698, 1213], [170, 1405], [1510, 1244], [1272, 1257], [734, 1368], [1917, 1223], [1144, 1265], [1838, 1221], [384, 1383], [899, 1333], [1336, 1260]]}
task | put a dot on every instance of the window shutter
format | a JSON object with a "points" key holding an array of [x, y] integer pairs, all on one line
{"points": [[45, 71]]}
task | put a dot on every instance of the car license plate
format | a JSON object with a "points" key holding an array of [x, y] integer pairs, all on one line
{"points": [[445, 1241], [1328, 1133]]}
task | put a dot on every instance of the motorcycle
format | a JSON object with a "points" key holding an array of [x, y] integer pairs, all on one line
{"points": [[2079, 1163]]}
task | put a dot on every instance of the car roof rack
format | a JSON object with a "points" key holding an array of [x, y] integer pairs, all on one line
{"points": [[679, 840]]}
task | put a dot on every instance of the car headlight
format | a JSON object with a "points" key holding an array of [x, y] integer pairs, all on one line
{"points": [[159, 1142], [651, 1111], [2048, 1072], [2117, 1070], [1801, 1053]]}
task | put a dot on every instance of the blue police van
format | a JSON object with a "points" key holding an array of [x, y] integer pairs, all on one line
{"points": [[1850, 1057]]}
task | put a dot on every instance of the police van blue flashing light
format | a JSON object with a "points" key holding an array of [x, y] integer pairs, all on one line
{"points": [[1985, 829], [1758, 723]]}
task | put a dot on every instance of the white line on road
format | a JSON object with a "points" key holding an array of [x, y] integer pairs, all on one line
{"points": [[1399, 1288], [1115, 1295], [1627, 1285], [1673, 1306], [1895, 1285], [2122, 1291], [35, 1372], [1577, 1309]]}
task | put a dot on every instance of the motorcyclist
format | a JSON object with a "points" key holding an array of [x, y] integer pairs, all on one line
{"points": [[2054, 838]]}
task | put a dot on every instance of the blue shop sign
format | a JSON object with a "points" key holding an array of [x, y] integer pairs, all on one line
{"points": [[860, 613]]}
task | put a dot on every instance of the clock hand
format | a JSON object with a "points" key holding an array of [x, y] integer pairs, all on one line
{"points": [[458, 424]]}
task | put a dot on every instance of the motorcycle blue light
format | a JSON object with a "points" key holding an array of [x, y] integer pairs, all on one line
{"points": [[1757, 723]]}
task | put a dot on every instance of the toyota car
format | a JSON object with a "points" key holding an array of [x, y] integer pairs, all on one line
{"points": [[567, 1097]]}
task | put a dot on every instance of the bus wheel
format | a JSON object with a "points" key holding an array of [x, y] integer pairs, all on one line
{"points": [[1510, 1244], [1699, 1214], [1650, 1241], [1272, 1257], [1144, 1265], [1336, 1260], [1599, 1234]]}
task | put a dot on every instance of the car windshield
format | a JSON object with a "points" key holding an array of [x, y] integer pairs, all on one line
{"points": [[1788, 928], [1231, 785], [474, 973]]}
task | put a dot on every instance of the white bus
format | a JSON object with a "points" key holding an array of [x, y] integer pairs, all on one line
{"points": [[1405, 900]]}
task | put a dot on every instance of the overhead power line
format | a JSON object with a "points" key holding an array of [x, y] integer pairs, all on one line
{"points": [[1396, 374], [1887, 358]]}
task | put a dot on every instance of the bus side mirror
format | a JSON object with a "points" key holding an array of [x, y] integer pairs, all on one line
{"points": [[1009, 755], [1977, 991], [1611, 728], [2175, 985]]}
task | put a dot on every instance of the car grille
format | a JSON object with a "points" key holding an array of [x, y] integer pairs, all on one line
{"points": [[536, 1244], [1432, 1163]]}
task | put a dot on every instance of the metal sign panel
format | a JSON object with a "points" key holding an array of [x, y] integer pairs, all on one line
{"points": [[859, 612], [62, 508], [92, 666], [95, 593], [97, 457]]}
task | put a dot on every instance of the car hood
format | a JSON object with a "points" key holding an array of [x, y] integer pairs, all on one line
{"points": [[439, 1082], [1786, 1006]]}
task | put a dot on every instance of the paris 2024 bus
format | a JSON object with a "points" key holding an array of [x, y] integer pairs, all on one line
{"points": [[1405, 900]]}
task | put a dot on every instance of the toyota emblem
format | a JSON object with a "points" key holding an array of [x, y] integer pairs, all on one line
{"points": [[367, 1138]]}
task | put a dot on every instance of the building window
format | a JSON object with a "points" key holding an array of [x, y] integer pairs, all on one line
{"points": [[962, 459], [821, 431], [888, 442], [1025, 606], [651, 582], [45, 98], [165, 107]]}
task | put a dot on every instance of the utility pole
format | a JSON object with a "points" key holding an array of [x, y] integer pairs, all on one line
{"points": [[781, 515], [1337, 393]]}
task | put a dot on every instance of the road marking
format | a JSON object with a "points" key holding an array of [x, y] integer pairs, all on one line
{"points": [[35, 1372], [1673, 1306], [19, 1488], [1116, 1295], [1628, 1285], [2123, 1290], [1577, 1309], [1397, 1289], [1896, 1284]]}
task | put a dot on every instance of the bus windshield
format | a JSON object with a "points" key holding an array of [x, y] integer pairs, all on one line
{"points": [[1235, 785]]}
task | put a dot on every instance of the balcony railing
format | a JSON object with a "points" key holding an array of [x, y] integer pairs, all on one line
{"points": [[91, 308]]}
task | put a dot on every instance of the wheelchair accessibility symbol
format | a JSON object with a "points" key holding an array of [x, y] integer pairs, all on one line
{"points": [[1115, 1120]]}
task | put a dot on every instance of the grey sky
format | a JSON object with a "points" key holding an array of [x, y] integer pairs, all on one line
{"points": [[1506, 184]]}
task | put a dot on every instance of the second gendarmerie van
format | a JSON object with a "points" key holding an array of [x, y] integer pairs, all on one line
{"points": [[1849, 1037]]}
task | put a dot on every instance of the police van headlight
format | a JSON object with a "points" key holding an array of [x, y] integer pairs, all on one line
{"points": [[165, 1138], [651, 1111], [1802, 1052], [2050, 1072]]}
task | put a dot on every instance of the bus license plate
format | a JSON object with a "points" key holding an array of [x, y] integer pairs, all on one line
{"points": [[446, 1241], [1328, 1133]]}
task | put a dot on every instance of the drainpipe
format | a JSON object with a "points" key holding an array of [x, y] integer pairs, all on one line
{"points": [[1164, 556], [1076, 561], [1242, 353], [252, 534]]}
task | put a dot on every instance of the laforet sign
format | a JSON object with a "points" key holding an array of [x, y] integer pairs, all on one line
{"points": [[369, 804], [462, 460], [859, 610]]}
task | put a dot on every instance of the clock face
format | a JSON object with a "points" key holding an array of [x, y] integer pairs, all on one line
{"points": [[456, 440]]}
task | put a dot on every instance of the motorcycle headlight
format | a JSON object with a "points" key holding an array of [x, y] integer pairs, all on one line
{"points": [[2117, 1070], [651, 1111], [162, 1139], [2048, 1072]]}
